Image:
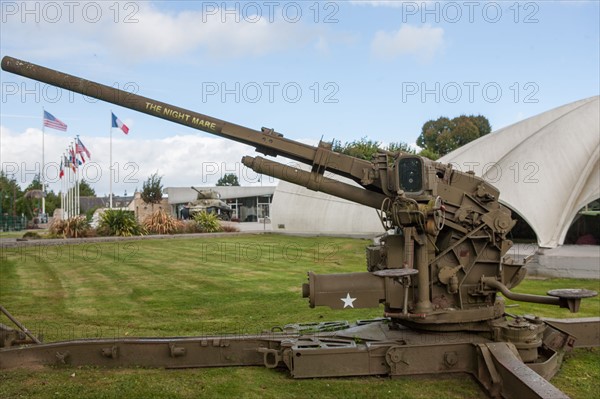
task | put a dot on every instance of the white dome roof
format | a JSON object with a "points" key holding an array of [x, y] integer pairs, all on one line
{"points": [[546, 167], [300, 210]]}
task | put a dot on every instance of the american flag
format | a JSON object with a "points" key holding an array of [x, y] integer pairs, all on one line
{"points": [[54, 123], [80, 148], [73, 159]]}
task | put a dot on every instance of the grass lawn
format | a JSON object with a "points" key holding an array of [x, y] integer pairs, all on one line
{"points": [[241, 284]]}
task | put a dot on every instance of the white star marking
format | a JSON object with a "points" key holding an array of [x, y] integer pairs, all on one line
{"points": [[348, 301]]}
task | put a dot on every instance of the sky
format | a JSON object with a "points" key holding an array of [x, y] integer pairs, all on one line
{"points": [[309, 69]]}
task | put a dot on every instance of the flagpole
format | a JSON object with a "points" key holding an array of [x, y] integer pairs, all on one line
{"points": [[62, 189], [110, 173], [76, 178], [77, 190], [78, 204], [74, 188], [76, 174], [68, 187], [67, 197], [66, 191], [68, 194], [68, 184], [71, 194], [43, 181], [71, 199], [61, 192]]}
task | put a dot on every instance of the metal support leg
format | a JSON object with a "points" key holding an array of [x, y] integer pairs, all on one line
{"points": [[503, 374]]}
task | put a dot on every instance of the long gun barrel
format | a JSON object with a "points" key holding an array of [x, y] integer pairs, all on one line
{"points": [[266, 141], [314, 181]]}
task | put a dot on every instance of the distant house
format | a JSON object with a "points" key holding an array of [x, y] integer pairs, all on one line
{"points": [[143, 209]]}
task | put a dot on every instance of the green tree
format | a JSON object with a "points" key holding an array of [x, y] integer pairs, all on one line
{"points": [[152, 189], [482, 124], [363, 148], [429, 154], [11, 196], [400, 147], [32, 205], [443, 135], [52, 202], [35, 184], [366, 148], [85, 190], [229, 179]]}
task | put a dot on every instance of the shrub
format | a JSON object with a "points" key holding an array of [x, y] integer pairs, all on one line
{"points": [[77, 226], [117, 222], [56, 228], [32, 235], [73, 227], [190, 227], [152, 189], [207, 222], [229, 228], [91, 232], [160, 222]]}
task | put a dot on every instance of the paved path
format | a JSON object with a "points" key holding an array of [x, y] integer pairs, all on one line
{"points": [[568, 261]]}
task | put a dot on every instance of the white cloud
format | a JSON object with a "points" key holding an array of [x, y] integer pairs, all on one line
{"points": [[422, 42], [183, 160], [152, 34], [160, 34]]}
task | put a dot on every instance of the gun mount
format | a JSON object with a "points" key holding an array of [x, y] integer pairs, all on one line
{"points": [[439, 266]]}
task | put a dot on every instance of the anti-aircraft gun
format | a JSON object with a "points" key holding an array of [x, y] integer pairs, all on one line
{"points": [[437, 270]]}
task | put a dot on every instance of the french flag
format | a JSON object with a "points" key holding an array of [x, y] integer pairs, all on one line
{"points": [[116, 122]]}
